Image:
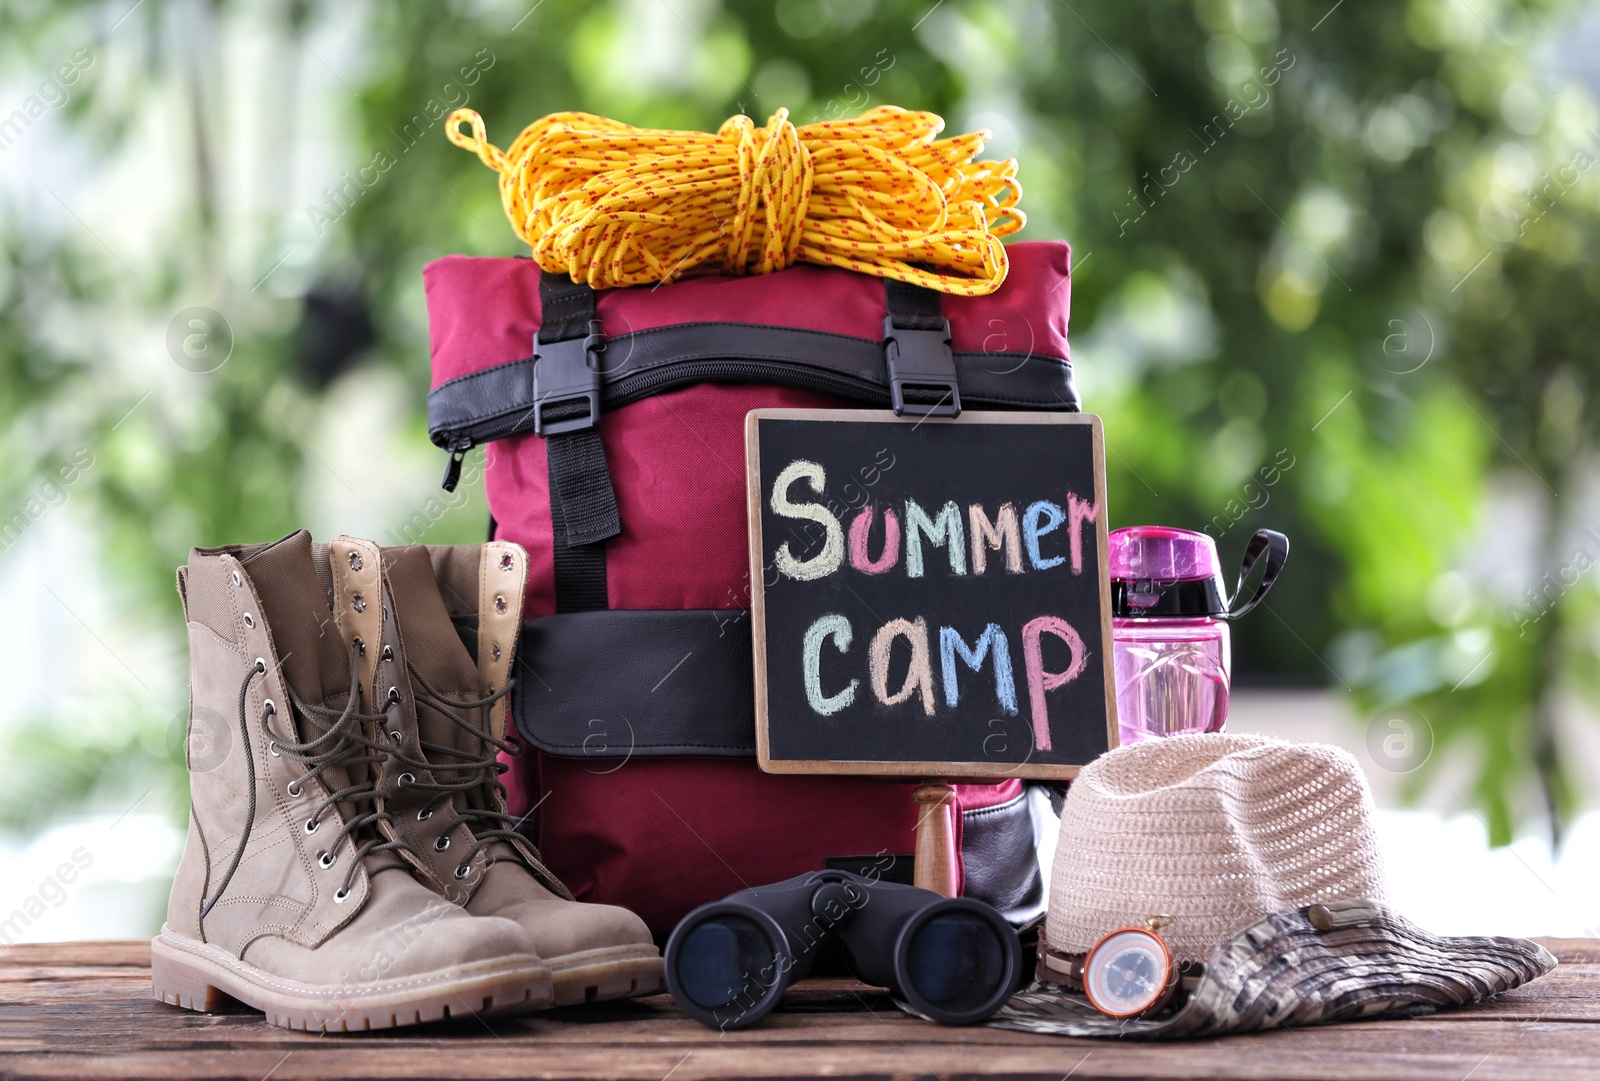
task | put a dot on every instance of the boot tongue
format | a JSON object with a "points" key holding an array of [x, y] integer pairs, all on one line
{"points": [[296, 608], [431, 645]]}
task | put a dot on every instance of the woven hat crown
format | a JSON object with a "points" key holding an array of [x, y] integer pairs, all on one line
{"points": [[1216, 830]]}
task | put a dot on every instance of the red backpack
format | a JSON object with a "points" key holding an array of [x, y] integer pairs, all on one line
{"points": [[634, 702]]}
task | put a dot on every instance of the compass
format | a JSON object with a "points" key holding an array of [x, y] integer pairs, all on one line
{"points": [[1130, 973]]}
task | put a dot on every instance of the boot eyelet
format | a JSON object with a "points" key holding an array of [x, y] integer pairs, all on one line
{"points": [[442, 843], [499, 604], [496, 653], [358, 602], [424, 814], [269, 708], [272, 749], [394, 695], [395, 737], [462, 870], [293, 788], [355, 561], [404, 780], [388, 653], [249, 621], [361, 647], [506, 562], [340, 896], [326, 860], [311, 825], [261, 666], [236, 580]]}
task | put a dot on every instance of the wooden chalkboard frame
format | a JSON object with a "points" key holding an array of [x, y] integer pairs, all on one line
{"points": [[977, 771]]}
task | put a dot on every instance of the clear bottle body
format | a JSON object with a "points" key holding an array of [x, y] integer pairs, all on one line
{"points": [[1172, 676]]}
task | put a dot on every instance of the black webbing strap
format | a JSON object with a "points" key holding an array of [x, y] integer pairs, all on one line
{"points": [[580, 569], [583, 505], [568, 308], [913, 307]]}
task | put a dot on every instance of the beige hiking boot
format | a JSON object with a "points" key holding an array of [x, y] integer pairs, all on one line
{"points": [[441, 780], [295, 895]]}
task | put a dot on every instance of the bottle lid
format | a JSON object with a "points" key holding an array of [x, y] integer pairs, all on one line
{"points": [[1162, 572], [1158, 571]]}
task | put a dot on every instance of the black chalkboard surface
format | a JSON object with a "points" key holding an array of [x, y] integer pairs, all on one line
{"points": [[930, 597]]}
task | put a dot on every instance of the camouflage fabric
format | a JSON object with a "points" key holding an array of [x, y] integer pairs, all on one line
{"points": [[1282, 970]]}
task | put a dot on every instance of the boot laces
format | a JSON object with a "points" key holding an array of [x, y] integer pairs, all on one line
{"points": [[467, 773], [341, 743]]}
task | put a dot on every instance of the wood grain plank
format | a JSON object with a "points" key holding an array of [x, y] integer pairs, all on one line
{"points": [[1575, 950], [1416, 1053], [121, 951], [83, 1011], [137, 952]]}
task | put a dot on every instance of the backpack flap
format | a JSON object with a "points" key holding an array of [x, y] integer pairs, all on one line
{"points": [[516, 351]]}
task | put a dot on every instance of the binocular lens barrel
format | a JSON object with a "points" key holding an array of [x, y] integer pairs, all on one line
{"points": [[720, 959], [956, 966], [953, 960]]}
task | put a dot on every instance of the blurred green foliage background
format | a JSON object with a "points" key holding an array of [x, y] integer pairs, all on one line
{"points": [[1335, 272]]}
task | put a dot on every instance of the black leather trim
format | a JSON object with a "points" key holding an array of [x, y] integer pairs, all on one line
{"points": [[1001, 858], [647, 350], [886, 866], [502, 391], [996, 378], [620, 683], [498, 401]]}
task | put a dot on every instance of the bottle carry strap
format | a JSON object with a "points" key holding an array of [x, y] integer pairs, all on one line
{"points": [[1276, 547]]}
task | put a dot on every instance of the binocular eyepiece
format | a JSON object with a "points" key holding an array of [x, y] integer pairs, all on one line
{"points": [[953, 960]]}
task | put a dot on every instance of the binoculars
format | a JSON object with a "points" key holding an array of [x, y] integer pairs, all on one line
{"points": [[952, 960]]}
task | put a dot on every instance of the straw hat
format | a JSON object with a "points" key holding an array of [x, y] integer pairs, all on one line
{"points": [[1263, 855], [1216, 831]]}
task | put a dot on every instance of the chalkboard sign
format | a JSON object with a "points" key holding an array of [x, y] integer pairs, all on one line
{"points": [[929, 597]]}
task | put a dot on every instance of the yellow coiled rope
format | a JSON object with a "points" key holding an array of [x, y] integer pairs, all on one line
{"points": [[611, 204]]}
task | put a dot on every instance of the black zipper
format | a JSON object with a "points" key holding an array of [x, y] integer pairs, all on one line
{"points": [[632, 388]]}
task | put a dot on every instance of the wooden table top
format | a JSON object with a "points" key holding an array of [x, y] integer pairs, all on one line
{"points": [[83, 1010]]}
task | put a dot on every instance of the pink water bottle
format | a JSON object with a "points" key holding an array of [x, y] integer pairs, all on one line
{"points": [[1170, 641]]}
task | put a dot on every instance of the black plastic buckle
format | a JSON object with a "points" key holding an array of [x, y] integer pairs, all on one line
{"points": [[562, 373], [921, 359]]}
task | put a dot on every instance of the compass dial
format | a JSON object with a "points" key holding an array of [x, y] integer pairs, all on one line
{"points": [[1127, 973]]}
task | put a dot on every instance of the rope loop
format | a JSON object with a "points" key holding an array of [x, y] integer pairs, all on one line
{"points": [[614, 205]]}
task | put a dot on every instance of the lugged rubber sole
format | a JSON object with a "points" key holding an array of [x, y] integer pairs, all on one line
{"points": [[202, 978], [607, 973]]}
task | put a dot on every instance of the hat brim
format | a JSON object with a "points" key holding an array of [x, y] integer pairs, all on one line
{"points": [[1370, 962]]}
